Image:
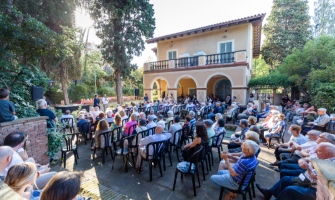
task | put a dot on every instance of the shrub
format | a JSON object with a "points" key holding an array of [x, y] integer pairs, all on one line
{"points": [[155, 98], [103, 91], [55, 94], [78, 92]]}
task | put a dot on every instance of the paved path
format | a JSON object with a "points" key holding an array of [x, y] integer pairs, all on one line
{"points": [[138, 186]]}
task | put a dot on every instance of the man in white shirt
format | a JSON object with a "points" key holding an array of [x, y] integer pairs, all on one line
{"points": [[105, 102], [67, 115], [151, 123], [6, 156], [161, 122], [95, 113], [135, 111], [109, 117], [143, 115], [173, 128], [147, 140], [152, 113]]}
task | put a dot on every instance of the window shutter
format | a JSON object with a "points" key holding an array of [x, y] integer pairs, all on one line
{"points": [[174, 55]]}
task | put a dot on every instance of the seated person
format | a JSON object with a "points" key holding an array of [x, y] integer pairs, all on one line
{"points": [[140, 127], [43, 111], [64, 185], [252, 112], [127, 126], [199, 140], [123, 115], [161, 121], [82, 128], [102, 126], [143, 115], [21, 178], [217, 117], [244, 113], [230, 110], [110, 117], [235, 154], [216, 110], [288, 106], [276, 129], [300, 115], [67, 115], [202, 109], [189, 107], [7, 108], [255, 129], [263, 114], [170, 118], [252, 120], [18, 140], [193, 120], [142, 151], [95, 113], [117, 123], [232, 177], [321, 121], [6, 156], [286, 147], [285, 187], [210, 131], [151, 123], [152, 113], [218, 130], [186, 130], [236, 141], [135, 111], [173, 128]]}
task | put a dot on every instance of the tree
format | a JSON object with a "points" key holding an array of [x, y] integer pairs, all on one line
{"points": [[260, 68], [324, 11], [122, 25], [288, 27]]}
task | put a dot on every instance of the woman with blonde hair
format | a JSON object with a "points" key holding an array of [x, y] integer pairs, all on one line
{"points": [[101, 127], [21, 177], [63, 186]]}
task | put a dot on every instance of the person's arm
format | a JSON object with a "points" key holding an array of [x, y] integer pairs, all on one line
{"points": [[278, 129], [194, 143], [23, 154], [310, 171], [231, 170], [303, 163], [28, 192]]}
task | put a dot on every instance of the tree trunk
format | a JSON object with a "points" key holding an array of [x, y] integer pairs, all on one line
{"points": [[118, 87], [63, 79]]}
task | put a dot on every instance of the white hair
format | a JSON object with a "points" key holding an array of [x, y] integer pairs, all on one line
{"points": [[170, 114], [81, 116], [255, 106], [328, 147], [250, 104], [109, 114], [268, 104], [41, 103], [218, 115], [191, 113], [135, 108], [251, 146], [142, 114]]}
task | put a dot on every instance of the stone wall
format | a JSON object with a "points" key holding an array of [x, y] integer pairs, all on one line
{"points": [[36, 128], [326, 179]]}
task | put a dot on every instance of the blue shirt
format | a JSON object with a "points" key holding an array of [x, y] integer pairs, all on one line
{"points": [[6, 111], [193, 121], [243, 133], [217, 110], [81, 122], [48, 113], [243, 165], [145, 98], [96, 102]]}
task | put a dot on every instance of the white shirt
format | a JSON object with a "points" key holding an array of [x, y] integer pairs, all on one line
{"points": [[151, 125], [95, 114], [173, 128], [15, 160], [124, 117], [306, 145], [105, 100], [109, 119], [153, 138], [162, 123], [136, 113]]}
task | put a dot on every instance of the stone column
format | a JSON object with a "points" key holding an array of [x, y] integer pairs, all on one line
{"points": [[173, 91], [241, 94], [201, 94], [148, 91]]}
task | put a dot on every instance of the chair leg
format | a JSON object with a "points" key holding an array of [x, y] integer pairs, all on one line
{"points": [[198, 177], [175, 179], [125, 163], [150, 169], [75, 157], [212, 158], [111, 152], [113, 162], [170, 158], [219, 153], [132, 157], [163, 155], [160, 167], [244, 196], [221, 193], [207, 164], [65, 159], [85, 138], [203, 170], [103, 155], [94, 153], [209, 161], [77, 153], [182, 176], [177, 153], [193, 181], [249, 191], [139, 171]]}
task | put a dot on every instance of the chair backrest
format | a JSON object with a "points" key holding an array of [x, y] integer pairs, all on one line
{"points": [[157, 150], [282, 131], [259, 151], [85, 128], [155, 108], [155, 120], [144, 133], [217, 139], [141, 109], [110, 123], [152, 130], [69, 140], [131, 129], [195, 159], [251, 172], [175, 109], [177, 136], [117, 131], [124, 121], [191, 132], [114, 111], [169, 124], [190, 109], [186, 130], [67, 120], [107, 135]]}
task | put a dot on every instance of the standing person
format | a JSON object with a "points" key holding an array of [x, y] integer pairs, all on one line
{"points": [[251, 98], [105, 102], [96, 101], [7, 108], [146, 98]]}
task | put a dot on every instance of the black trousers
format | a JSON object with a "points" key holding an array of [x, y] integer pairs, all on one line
{"points": [[293, 160], [278, 152]]}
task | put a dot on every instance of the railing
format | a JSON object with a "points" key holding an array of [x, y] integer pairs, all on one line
{"points": [[220, 58]]}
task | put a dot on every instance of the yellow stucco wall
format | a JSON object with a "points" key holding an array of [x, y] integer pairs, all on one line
{"points": [[186, 84], [207, 42]]}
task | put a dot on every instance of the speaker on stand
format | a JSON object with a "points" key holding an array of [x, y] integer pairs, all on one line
{"points": [[37, 94], [137, 93]]}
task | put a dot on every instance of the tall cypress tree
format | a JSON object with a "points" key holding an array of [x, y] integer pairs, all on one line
{"points": [[324, 11], [288, 27]]}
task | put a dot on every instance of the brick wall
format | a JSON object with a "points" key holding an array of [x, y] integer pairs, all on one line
{"points": [[36, 128], [326, 179]]}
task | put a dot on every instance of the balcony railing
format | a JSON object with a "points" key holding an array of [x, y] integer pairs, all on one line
{"points": [[220, 58]]}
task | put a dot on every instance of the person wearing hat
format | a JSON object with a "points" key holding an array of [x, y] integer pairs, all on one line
{"points": [[210, 131], [173, 128], [151, 123], [322, 120]]}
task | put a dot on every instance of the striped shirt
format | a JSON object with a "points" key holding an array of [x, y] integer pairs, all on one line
{"points": [[243, 165], [193, 121]]}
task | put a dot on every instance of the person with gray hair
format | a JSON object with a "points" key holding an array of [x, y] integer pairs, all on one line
{"points": [[193, 120], [232, 177], [255, 129], [135, 111], [109, 117], [173, 128], [236, 141], [152, 113], [43, 111], [67, 115], [143, 115], [6, 155], [252, 112], [265, 113], [161, 121], [244, 113], [217, 117], [151, 123], [170, 117]]}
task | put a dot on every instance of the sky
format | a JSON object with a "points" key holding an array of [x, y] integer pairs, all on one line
{"points": [[179, 15]]}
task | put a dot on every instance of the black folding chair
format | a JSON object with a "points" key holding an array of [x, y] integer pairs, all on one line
{"points": [[169, 124], [151, 131], [176, 145], [123, 152], [86, 129], [278, 138], [189, 168], [70, 145], [69, 124], [217, 141], [166, 150], [124, 121], [153, 157], [107, 135], [191, 132]]}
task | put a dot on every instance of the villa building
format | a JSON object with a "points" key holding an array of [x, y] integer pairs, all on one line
{"points": [[215, 59]]}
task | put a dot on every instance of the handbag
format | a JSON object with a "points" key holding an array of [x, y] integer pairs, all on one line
{"points": [[305, 183]]}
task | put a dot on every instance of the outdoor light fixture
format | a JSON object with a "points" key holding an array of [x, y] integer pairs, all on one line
{"points": [[171, 45], [225, 36], [51, 83]]}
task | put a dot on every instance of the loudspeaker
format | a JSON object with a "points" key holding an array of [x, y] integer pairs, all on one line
{"points": [[37, 93], [137, 92]]}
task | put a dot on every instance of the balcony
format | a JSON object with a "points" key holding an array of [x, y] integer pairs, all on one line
{"points": [[200, 60]]}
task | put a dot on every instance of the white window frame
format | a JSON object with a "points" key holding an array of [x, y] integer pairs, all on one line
{"points": [[226, 41], [167, 53]]}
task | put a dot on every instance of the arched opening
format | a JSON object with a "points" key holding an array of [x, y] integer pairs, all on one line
{"points": [[219, 86], [186, 86], [160, 87]]}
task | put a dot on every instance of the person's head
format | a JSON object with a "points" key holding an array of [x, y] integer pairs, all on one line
{"points": [[96, 96], [109, 113], [176, 119], [64, 185], [122, 113], [286, 96], [191, 114], [135, 109], [289, 103], [133, 117], [4, 93], [81, 116], [101, 115], [159, 129], [96, 108], [244, 123], [103, 125], [218, 116], [201, 132], [117, 120], [152, 112], [42, 104], [67, 112], [21, 175], [221, 122], [15, 140], [295, 130], [326, 137], [251, 95], [150, 118], [142, 122], [252, 120], [160, 117], [187, 119], [254, 107], [250, 105], [170, 114], [267, 105], [234, 97], [104, 95], [249, 148], [325, 150], [146, 95], [208, 123], [313, 135], [171, 95], [322, 111], [142, 115], [217, 104], [6, 156], [251, 135], [281, 117], [254, 129]]}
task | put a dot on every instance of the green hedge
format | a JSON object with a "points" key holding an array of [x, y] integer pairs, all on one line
{"points": [[273, 80]]}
